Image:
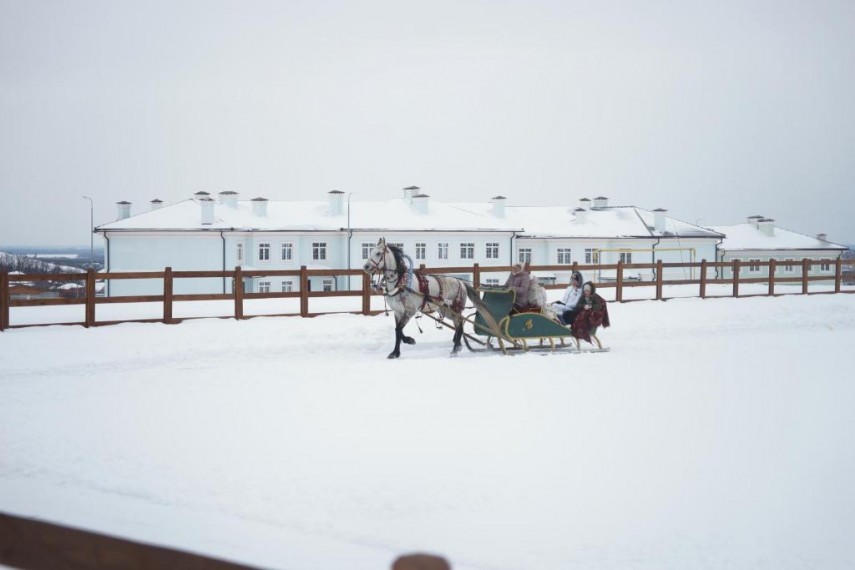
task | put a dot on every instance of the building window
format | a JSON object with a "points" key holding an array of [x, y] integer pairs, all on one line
{"points": [[398, 244], [420, 250], [825, 265], [319, 250], [564, 255], [491, 282], [240, 253], [754, 266], [524, 255], [788, 265], [287, 252], [367, 248], [442, 251], [592, 256], [467, 250], [626, 257], [287, 286], [327, 284], [264, 252], [492, 250], [264, 286]]}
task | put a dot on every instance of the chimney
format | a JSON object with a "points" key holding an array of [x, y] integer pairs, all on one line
{"points": [[201, 194], [420, 203], [259, 207], [498, 206], [822, 237], [767, 226], [207, 205], [336, 202], [156, 204], [229, 198], [659, 220], [601, 202], [754, 220], [581, 215], [124, 210], [584, 203], [409, 193]]}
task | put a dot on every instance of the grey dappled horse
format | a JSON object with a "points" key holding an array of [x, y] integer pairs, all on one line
{"points": [[408, 293]]}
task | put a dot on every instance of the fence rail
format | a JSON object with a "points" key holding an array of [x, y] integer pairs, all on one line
{"points": [[238, 296]]}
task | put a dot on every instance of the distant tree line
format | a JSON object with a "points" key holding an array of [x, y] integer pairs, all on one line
{"points": [[24, 264]]}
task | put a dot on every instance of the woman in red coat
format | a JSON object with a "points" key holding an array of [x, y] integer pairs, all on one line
{"points": [[592, 313]]}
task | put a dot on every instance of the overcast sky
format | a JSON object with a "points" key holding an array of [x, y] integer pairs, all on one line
{"points": [[714, 110]]}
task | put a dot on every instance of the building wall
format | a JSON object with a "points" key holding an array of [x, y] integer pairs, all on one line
{"points": [[783, 269]]}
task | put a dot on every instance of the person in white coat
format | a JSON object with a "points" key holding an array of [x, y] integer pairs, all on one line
{"points": [[566, 309]]}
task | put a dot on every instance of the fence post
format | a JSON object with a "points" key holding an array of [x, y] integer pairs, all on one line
{"points": [[703, 292], [167, 295], [659, 280], [838, 274], [304, 292], [237, 291], [366, 294], [772, 265], [476, 276], [735, 271], [619, 282], [90, 298], [4, 300], [805, 270]]}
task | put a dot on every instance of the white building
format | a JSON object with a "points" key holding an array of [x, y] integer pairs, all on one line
{"points": [[205, 234], [759, 239]]}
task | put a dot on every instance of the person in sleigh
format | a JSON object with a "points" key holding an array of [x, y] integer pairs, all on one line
{"points": [[592, 312]]}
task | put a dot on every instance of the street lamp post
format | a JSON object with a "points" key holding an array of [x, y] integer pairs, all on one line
{"points": [[91, 231]]}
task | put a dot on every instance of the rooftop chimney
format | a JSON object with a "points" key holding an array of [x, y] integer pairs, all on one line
{"points": [[601, 202], [156, 204], [822, 237], [767, 226], [420, 203], [581, 215], [124, 209], [336, 202], [259, 207], [201, 194], [229, 198], [409, 193], [585, 203], [659, 220], [754, 220], [207, 206], [498, 206]]}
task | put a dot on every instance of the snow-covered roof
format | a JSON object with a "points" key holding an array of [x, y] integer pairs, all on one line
{"points": [[402, 215], [748, 236]]}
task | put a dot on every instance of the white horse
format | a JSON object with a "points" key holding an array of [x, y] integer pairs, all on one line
{"points": [[408, 292]]}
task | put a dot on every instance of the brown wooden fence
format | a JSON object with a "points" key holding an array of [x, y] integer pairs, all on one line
{"points": [[365, 292]]}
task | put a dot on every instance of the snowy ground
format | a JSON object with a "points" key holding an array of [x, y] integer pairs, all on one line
{"points": [[715, 434]]}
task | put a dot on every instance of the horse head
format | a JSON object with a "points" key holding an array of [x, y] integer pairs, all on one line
{"points": [[376, 262]]}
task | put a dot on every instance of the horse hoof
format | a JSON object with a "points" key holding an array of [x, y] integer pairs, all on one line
{"points": [[409, 340], [394, 355]]}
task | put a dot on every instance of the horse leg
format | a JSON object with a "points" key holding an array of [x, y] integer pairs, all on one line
{"points": [[399, 335], [458, 334]]}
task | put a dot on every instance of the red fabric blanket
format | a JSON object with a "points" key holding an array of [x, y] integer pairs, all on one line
{"points": [[589, 319]]}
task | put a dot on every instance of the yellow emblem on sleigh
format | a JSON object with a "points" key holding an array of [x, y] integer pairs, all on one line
{"points": [[528, 325]]}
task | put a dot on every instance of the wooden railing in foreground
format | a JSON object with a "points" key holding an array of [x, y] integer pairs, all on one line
{"points": [[238, 297]]}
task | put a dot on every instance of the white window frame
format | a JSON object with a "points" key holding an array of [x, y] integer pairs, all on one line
{"points": [[825, 265], [421, 250], [492, 250], [327, 285], [319, 250], [754, 266], [287, 251], [264, 286], [491, 282], [626, 256], [287, 286], [524, 255], [564, 255], [592, 256], [264, 252], [239, 253], [442, 250], [789, 265], [467, 250], [367, 249]]}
